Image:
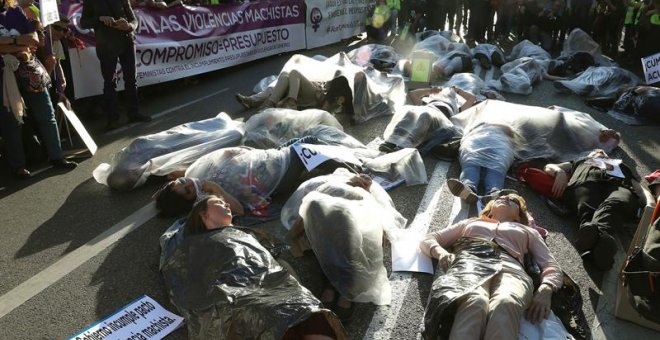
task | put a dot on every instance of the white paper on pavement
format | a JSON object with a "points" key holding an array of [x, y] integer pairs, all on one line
{"points": [[143, 318], [407, 257], [312, 155]]}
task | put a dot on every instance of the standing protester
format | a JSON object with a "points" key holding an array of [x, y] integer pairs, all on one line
{"points": [[114, 24], [630, 22], [29, 87], [649, 30]]}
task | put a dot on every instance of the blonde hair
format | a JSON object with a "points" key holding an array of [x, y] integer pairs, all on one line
{"points": [[10, 3], [522, 210]]}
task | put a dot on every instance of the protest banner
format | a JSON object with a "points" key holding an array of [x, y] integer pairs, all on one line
{"points": [[313, 155], [48, 11], [651, 65], [330, 21], [182, 41], [141, 319]]}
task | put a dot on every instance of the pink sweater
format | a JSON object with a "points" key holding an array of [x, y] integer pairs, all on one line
{"points": [[514, 237]]}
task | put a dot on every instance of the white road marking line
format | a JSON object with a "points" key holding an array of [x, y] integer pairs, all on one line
{"points": [[384, 318], [168, 111], [73, 260]]}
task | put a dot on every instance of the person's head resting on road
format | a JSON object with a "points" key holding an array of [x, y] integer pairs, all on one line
{"points": [[176, 197], [609, 139], [507, 208], [211, 212]]}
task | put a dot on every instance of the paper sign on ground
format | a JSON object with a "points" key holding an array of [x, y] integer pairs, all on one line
{"points": [[80, 128], [143, 318], [651, 65], [407, 257], [313, 155]]}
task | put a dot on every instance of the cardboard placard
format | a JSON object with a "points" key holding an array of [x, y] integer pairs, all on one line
{"points": [[80, 128]]}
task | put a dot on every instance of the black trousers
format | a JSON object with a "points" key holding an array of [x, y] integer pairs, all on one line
{"points": [[605, 204]]}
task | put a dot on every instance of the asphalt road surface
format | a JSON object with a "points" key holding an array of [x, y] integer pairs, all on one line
{"points": [[72, 251]]}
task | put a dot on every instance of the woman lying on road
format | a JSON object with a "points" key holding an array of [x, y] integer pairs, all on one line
{"points": [[248, 178], [228, 285], [485, 275]]}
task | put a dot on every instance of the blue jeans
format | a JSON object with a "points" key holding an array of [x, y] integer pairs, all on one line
{"points": [[108, 59], [472, 175], [42, 111]]}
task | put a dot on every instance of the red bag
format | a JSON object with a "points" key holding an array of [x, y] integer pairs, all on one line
{"points": [[537, 179]]}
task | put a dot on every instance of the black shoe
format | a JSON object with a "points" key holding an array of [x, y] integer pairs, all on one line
{"points": [[587, 237], [64, 164], [604, 252], [22, 173], [139, 118], [483, 60], [556, 207], [388, 147], [112, 124]]}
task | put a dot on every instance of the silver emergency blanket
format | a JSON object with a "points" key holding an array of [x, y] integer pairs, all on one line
{"points": [[167, 151], [381, 57], [412, 125], [272, 127], [580, 41], [471, 83], [228, 286], [519, 76], [374, 93], [250, 175], [524, 132], [344, 226], [599, 81], [526, 48]]}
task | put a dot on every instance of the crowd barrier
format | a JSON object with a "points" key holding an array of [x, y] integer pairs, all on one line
{"points": [[183, 41]]}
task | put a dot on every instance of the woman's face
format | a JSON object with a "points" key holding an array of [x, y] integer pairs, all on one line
{"points": [[185, 187], [218, 213], [506, 207]]}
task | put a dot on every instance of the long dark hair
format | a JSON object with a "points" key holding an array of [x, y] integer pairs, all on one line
{"points": [[171, 204], [195, 224]]}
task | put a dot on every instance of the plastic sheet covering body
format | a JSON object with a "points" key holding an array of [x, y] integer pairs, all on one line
{"points": [[344, 226], [493, 53], [580, 41], [167, 151], [639, 105], [228, 286], [411, 125], [518, 76], [381, 57], [553, 133], [600, 81], [374, 93], [476, 262], [250, 175], [471, 83], [526, 48], [272, 127]]}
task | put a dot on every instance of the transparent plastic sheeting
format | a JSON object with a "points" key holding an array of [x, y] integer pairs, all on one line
{"points": [[228, 286], [526, 48], [344, 226], [533, 132], [518, 76], [579, 41], [374, 93], [412, 125], [488, 51], [600, 81], [471, 83], [381, 57], [250, 175], [272, 127], [167, 151], [452, 62]]}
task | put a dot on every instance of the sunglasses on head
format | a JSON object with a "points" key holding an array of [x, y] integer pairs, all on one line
{"points": [[512, 198]]}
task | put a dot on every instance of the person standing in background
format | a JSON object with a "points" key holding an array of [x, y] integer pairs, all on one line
{"points": [[114, 25]]}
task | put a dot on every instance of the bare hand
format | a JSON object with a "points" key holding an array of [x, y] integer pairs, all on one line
{"points": [[363, 181], [123, 25], [444, 257], [561, 181], [30, 39], [539, 309], [159, 4], [106, 20]]}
